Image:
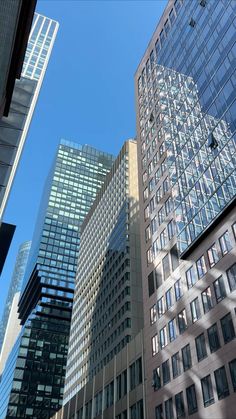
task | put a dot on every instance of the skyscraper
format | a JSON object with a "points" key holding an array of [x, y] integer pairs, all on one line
{"points": [[23, 98], [14, 127], [107, 309], [39, 357], [185, 106], [12, 304]]}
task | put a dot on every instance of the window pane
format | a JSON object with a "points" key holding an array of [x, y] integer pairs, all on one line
{"points": [[207, 391], [186, 357], [156, 378], [219, 288], [227, 328], [159, 412], [176, 370], [166, 372], [179, 403], [232, 368], [221, 383], [191, 399], [207, 300], [169, 409], [201, 347], [231, 274], [213, 338]]}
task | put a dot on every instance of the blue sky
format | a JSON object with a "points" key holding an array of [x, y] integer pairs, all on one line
{"points": [[87, 96]]}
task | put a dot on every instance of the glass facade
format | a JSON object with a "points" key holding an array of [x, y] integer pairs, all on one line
{"points": [[188, 109], [15, 284], [14, 127], [185, 105], [77, 174]]}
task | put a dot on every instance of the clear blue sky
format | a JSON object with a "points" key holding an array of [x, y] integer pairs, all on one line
{"points": [[87, 95]]}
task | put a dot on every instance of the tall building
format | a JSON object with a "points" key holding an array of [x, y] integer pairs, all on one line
{"points": [[39, 357], [10, 326], [18, 104], [185, 106], [14, 127], [107, 309]]}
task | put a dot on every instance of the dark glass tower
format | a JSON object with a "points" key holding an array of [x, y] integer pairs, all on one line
{"points": [[46, 301]]}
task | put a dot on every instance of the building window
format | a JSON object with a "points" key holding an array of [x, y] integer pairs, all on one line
{"points": [[163, 337], [139, 371], [225, 243], [201, 347], [178, 290], [191, 277], [201, 267], [132, 376], [168, 205], [154, 224], [227, 328], [169, 302], [159, 412], [118, 387], [171, 229], [166, 372], [186, 357], [161, 215], [169, 409], [234, 230], [221, 383], [207, 391], [174, 257], [176, 369], [213, 338], [156, 378], [160, 307], [232, 368], [163, 238], [151, 284], [213, 256], [155, 345], [191, 399], [182, 321], [148, 233], [207, 300], [153, 314], [146, 213], [172, 330], [219, 288], [231, 275], [145, 194], [165, 183], [179, 404], [195, 310], [166, 266]]}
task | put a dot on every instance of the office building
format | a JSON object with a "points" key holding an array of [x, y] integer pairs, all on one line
{"points": [[15, 22], [18, 104], [14, 126], [39, 356], [107, 309], [10, 325], [185, 106]]}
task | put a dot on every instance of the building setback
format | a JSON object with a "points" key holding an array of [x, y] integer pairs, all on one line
{"points": [[185, 107], [10, 325], [107, 308], [37, 362]]}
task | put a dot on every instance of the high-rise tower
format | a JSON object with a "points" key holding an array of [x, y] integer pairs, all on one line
{"points": [[11, 305], [39, 357], [185, 107], [107, 308], [14, 127]]}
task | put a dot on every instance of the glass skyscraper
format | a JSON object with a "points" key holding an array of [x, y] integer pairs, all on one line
{"points": [[45, 305], [185, 106], [14, 288], [14, 127]]}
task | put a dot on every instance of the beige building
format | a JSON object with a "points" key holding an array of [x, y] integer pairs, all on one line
{"points": [[107, 309]]}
